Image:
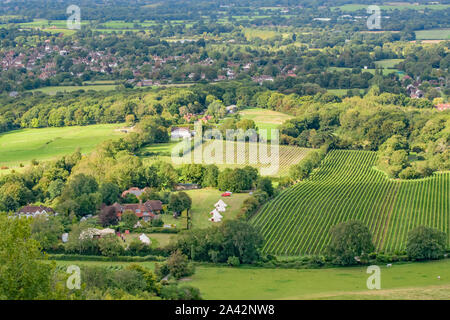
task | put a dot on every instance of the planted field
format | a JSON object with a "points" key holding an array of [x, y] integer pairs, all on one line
{"points": [[22, 146], [347, 187], [227, 154]]}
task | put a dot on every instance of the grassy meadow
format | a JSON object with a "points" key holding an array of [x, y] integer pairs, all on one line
{"points": [[264, 118], [388, 63], [55, 89], [22, 146], [392, 6], [433, 34], [402, 281]]}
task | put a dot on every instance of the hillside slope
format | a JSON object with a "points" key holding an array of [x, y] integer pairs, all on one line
{"points": [[347, 187]]}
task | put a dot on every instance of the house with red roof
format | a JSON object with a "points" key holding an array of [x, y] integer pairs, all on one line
{"points": [[145, 211], [443, 106]]}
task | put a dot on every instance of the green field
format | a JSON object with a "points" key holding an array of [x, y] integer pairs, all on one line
{"points": [[203, 201], [388, 63], [288, 156], [342, 92], [53, 90], [264, 34], [22, 146], [386, 71], [347, 187], [399, 6], [264, 118], [407, 281], [239, 156], [401, 281], [434, 34]]}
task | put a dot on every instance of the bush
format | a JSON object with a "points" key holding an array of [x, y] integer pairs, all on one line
{"points": [[233, 261], [349, 240], [157, 222], [426, 243], [173, 292], [177, 266], [110, 246], [129, 280]]}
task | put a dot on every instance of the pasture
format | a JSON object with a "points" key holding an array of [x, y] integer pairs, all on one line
{"points": [[264, 118], [385, 70], [22, 146], [388, 63], [392, 6], [347, 187], [342, 92], [55, 89], [264, 34], [402, 281], [433, 34]]}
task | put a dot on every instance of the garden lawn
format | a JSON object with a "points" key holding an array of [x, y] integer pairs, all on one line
{"points": [[203, 201]]}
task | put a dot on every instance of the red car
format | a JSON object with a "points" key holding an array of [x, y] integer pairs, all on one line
{"points": [[226, 194]]}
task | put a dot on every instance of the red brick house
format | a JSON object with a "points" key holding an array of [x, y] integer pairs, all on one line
{"points": [[145, 211]]}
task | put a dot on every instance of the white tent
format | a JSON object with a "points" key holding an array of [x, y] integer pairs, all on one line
{"points": [[221, 204], [145, 239], [216, 216]]}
